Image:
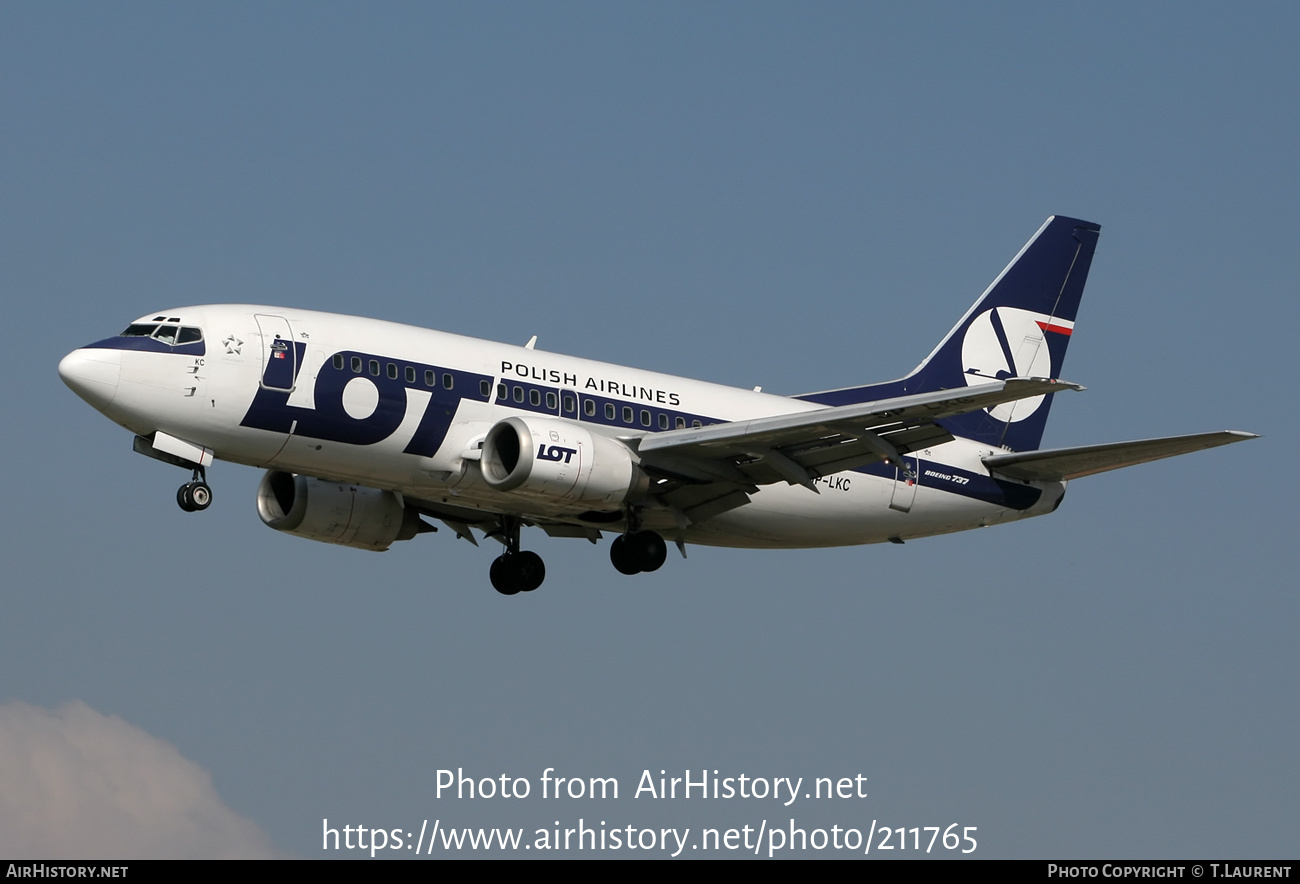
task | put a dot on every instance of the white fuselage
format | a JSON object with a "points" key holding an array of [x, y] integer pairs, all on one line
{"points": [[402, 409]]}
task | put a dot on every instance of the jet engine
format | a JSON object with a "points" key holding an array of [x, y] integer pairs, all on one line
{"points": [[349, 515], [558, 461]]}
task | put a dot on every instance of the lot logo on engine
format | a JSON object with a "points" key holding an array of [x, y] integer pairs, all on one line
{"points": [[555, 453]]}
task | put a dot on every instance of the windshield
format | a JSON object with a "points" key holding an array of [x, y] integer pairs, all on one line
{"points": [[168, 334]]}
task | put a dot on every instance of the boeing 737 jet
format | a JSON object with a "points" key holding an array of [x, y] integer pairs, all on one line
{"points": [[368, 429]]}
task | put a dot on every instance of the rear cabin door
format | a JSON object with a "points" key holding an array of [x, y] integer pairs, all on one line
{"points": [[905, 482]]}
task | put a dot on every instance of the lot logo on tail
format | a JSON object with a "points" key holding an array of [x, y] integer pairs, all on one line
{"points": [[1009, 342]]}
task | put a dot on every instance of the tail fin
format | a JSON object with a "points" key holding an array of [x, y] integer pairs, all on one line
{"points": [[1019, 327]]}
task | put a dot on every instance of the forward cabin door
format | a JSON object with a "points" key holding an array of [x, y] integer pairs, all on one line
{"points": [[279, 355]]}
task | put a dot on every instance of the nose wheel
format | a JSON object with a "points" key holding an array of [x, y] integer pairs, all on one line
{"points": [[195, 495]]}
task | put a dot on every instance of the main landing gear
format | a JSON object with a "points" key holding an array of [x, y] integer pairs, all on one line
{"points": [[195, 495], [516, 570], [638, 551]]}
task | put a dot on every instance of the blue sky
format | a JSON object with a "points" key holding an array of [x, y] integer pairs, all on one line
{"points": [[798, 197]]}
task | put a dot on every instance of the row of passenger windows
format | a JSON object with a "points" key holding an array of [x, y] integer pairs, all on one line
{"points": [[430, 376], [569, 403]]}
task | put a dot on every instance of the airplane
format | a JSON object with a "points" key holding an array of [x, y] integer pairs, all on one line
{"points": [[367, 429]]}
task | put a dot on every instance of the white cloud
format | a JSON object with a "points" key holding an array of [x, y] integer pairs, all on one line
{"points": [[75, 784]]}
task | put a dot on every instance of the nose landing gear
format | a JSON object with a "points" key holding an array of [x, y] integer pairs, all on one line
{"points": [[195, 495]]}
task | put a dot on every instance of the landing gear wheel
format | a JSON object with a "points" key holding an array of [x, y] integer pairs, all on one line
{"points": [[515, 570], [532, 570], [623, 554], [637, 552], [513, 573], [194, 496], [200, 495], [503, 575], [651, 551]]}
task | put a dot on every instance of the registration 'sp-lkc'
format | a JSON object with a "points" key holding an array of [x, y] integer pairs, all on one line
{"points": [[368, 428]]}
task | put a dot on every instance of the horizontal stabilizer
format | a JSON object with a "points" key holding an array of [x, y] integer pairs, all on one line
{"points": [[1056, 464]]}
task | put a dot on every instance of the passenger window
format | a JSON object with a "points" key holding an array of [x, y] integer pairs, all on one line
{"points": [[534, 397], [374, 367], [550, 402], [410, 375], [392, 371], [645, 418], [519, 394], [501, 392], [484, 388], [570, 405], [338, 361], [609, 411], [356, 365], [627, 414], [429, 376], [695, 423], [663, 421], [448, 381], [681, 423], [589, 406]]}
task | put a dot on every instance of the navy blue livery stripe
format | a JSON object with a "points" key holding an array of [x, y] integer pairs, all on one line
{"points": [[330, 421], [977, 486], [392, 378]]}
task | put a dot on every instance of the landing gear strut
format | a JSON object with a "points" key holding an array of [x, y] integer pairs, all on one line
{"points": [[516, 570], [195, 495], [638, 551]]}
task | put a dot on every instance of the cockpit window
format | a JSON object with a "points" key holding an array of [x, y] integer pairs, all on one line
{"points": [[163, 336]]}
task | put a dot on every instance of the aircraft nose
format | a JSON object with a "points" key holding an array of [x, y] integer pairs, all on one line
{"points": [[92, 374]]}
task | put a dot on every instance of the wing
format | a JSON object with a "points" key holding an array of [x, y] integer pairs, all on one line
{"points": [[1057, 464], [708, 470]]}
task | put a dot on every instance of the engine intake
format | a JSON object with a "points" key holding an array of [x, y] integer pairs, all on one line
{"points": [[349, 515], [558, 460]]}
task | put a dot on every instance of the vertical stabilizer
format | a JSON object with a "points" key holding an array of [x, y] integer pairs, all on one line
{"points": [[1019, 327]]}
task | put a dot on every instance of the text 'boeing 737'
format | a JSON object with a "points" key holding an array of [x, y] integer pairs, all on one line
{"points": [[367, 429]]}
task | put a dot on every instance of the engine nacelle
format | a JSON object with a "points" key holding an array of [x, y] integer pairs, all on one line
{"points": [[349, 515], [558, 461]]}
